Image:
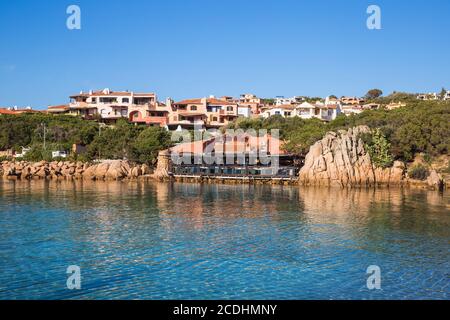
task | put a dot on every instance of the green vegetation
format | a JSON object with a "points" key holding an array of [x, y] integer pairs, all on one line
{"points": [[419, 172], [379, 148], [23, 130], [443, 92], [420, 127], [123, 141], [374, 93]]}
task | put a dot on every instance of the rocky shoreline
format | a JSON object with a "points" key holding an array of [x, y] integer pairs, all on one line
{"points": [[67, 170], [339, 159]]}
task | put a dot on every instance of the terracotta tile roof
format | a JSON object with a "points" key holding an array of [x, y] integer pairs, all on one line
{"points": [[6, 111], [191, 114], [113, 94], [285, 106], [213, 101], [63, 107], [273, 145]]}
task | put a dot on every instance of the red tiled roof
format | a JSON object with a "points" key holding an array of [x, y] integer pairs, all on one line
{"points": [[6, 111], [191, 114], [213, 101], [63, 106], [113, 94]]}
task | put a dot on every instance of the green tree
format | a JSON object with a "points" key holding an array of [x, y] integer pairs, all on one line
{"points": [[374, 93], [443, 92], [149, 142]]}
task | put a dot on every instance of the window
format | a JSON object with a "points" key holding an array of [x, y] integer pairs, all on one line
{"points": [[193, 108], [94, 100], [229, 108], [214, 119], [277, 112], [125, 100], [287, 114]]}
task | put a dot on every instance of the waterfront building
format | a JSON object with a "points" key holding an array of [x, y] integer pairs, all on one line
{"points": [[233, 156]]}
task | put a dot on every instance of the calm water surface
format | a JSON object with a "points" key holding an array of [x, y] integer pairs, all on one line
{"points": [[186, 241]]}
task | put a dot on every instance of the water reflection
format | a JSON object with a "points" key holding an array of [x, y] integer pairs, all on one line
{"points": [[160, 240]]}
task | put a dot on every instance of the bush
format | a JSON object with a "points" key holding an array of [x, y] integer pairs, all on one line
{"points": [[5, 158], [419, 172], [149, 143], [378, 148]]}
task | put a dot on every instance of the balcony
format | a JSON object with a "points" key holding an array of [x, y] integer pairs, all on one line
{"points": [[162, 121]]}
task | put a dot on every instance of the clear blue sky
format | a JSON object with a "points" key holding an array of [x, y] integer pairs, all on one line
{"points": [[194, 48]]}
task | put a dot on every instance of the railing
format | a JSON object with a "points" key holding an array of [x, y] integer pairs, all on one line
{"points": [[234, 171]]}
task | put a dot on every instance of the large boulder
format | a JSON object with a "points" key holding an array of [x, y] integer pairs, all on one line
{"points": [[89, 172], [116, 171], [101, 170], [339, 159], [435, 180]]}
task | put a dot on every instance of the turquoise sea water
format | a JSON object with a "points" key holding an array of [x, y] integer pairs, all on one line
{"points": [[187, 241]]}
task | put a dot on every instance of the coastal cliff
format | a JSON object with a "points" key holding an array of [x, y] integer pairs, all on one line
{"points": [[340, 159], [63, 170]]}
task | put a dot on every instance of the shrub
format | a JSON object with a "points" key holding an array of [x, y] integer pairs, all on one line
{"points": [[379, 148], [419, 172], [5, 158]]}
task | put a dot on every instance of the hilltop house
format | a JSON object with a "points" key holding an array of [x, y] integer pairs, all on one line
{"points": [[395, 105], [249, 101], [446, 95], [428, 96], [286, 111], [110, 106], [281, 100], [351, 109], [16, 110], [60, 109], [351, 100], [322, 111], [204, 113]]}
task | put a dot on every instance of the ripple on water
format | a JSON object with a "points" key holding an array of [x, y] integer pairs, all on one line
{"points": [[184, 241]]}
